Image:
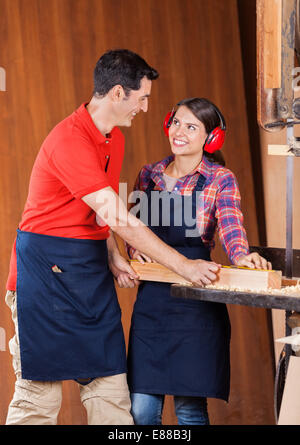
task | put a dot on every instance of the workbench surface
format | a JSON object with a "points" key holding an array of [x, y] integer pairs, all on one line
{"points": [[269, 301]]}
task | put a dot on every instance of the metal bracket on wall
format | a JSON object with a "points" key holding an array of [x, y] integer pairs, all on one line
{"points": [[286, 94]]}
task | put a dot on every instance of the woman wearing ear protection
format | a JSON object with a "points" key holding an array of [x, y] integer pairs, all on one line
{"points": [[181, 347]]}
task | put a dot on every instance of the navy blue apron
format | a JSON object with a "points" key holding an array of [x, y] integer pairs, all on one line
{"points": [[178, 346], [69, 321]]}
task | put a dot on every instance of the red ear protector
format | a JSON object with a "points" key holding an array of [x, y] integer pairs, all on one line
{"points": [[168, 121], [215, 139]]}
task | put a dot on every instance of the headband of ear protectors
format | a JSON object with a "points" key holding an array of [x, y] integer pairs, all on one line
{"points": [[215, 139]]}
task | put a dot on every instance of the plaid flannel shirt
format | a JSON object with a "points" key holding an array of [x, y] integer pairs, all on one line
{"points": [[221, 210]]}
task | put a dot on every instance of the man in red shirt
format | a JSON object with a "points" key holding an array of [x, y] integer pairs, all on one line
{"points": [[60, 288]]}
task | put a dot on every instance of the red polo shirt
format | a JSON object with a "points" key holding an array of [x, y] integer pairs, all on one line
{"points": [[74, 160]]}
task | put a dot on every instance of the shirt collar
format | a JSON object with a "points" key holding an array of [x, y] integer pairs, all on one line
{"points": [[160, 166], [87, 122], [204, 168]]}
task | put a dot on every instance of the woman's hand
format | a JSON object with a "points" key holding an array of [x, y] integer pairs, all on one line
{"points": [[141, 257], [121, 270], [254, 261]]}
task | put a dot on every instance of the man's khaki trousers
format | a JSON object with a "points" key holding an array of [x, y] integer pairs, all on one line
{"points": [[106, 399]]}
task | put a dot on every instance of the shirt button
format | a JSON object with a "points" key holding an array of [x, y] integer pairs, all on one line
{"points": [[107, 142]]}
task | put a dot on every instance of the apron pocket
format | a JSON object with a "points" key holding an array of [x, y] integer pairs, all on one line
{"points": [[80, 295]]}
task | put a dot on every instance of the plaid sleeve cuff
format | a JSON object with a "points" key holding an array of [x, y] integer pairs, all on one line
{"points": [[238, 254], [130, 250]]}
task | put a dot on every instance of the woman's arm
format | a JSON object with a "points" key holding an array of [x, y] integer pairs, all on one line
{"points": [[231, 230]]}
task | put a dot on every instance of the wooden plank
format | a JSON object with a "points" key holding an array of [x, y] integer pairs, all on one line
{"points": [[234, 277], [157, 272], [290, 405], [279, 150], [268, 65], [289, 281], [246, 278], [272, 13]]}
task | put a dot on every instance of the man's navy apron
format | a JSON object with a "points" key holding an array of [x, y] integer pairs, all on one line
{"points": [[178, 346], [69, 321]]}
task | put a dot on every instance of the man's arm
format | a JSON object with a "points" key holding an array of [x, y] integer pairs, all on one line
{"points": [[120, 268], [112, 211]]}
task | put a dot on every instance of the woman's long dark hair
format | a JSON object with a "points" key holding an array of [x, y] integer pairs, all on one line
{"points": [[205, 112]]}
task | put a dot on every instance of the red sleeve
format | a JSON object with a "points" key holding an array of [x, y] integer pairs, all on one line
{"points": [[78, 165], [12, 276]]}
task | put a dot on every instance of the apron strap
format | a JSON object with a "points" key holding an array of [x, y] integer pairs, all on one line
{"points": [[151, 186], [200, 183]]}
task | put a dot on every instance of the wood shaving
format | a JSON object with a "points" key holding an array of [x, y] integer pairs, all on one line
{"points": [[293, 291]]}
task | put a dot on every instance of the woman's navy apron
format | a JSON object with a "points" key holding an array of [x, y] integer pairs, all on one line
{"points": [[178, 346], [69, 321]]}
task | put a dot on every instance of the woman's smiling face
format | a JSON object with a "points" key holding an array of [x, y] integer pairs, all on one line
{"points": [[186, 134]]}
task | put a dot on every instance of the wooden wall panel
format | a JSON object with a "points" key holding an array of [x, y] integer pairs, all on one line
{"points": [[49, 50]]}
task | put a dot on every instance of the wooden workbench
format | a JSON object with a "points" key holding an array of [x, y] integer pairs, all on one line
{"points": [[262, 300]]}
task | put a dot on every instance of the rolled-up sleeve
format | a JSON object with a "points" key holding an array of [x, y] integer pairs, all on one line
{"points": [[230, 219]]}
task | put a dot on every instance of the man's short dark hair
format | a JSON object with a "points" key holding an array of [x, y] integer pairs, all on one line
{"points": [[121, 67]]}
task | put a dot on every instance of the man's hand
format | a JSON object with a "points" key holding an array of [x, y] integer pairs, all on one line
{"points": [[111, 209], [254, 261], [141, 257], [200, 272], [121, 270]]}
